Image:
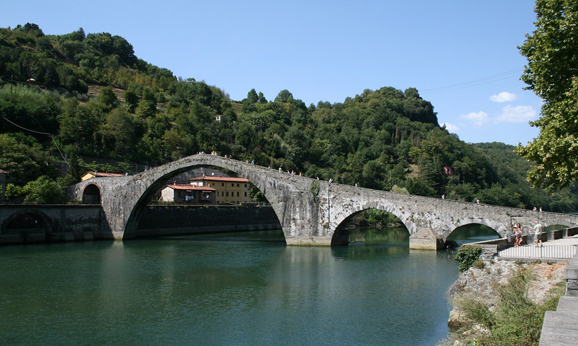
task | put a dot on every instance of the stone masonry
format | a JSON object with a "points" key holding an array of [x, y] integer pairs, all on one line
{"points": [[310, 210]]}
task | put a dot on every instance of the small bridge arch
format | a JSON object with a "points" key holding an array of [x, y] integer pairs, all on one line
{"points": [[472, 232], [340, 236], [91, 194], [27, 219]]}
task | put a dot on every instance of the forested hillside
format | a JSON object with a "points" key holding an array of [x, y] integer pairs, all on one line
{"points": [[97, 99]]}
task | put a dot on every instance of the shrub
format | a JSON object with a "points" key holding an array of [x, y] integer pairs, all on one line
{"points": [[479, 264], [466, 256]]}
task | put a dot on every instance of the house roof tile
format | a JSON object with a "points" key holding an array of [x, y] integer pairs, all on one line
{"points": [[104, 174], [190, 187], [223, 179]]}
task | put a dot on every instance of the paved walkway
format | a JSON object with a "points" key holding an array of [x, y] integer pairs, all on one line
{"points": [[573, 240], [559, 249]]}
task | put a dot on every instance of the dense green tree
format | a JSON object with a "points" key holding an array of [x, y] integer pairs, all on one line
{"points": [[118, 134], [284, 96], [25, 158], [43, 191], [384, 139], [252, 96], [552, 73], [107, 98]]}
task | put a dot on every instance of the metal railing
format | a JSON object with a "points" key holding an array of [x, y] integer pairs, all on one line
{"points": [[531, 251]]}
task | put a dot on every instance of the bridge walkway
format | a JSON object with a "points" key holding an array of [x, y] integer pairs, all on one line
{"points": [[558, 249]]}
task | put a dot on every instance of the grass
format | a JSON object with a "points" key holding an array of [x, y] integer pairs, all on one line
{"points": [[515, 320]]}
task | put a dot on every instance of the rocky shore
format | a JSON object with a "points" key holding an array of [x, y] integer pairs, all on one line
{"points": [[482, 283]]}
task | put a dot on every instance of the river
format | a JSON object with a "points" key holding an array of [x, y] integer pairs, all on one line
{"points": [[202, 291]]}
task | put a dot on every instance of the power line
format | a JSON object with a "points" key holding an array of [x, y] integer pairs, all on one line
{"points": [[40, 133], [476, 82]]}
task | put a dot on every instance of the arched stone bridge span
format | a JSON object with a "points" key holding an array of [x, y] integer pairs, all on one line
{"points": [[310, 210]]}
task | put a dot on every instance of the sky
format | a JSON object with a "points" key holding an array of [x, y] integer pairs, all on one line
{"points": [[462, 56]]}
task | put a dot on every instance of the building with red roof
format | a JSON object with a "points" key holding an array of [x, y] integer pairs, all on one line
{"points": [[188, 193], [229, 190], [90, 175]]}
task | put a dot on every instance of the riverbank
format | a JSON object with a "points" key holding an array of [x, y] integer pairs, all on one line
{"points": [[503, 297]]}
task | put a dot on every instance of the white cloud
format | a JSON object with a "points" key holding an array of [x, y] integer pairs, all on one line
{"points": [[451, 128], [516, 114], [478, 118], [504, 97]]}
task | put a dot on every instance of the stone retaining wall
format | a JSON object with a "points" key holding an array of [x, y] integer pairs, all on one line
{"points": [[41, 223], [184, 219], [63, 223]]}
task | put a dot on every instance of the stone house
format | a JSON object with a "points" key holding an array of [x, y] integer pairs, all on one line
{"points": [[90, 175], [187, 193], [229, 190]]}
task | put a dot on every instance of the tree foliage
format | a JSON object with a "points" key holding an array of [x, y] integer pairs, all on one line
{"points": [[552, 73], [99, 101]]}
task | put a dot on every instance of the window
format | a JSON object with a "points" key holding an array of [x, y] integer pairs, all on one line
{"points": [[237, 185], [227, 193], [237, 193], [245, 193], [222, 184], [244, 185]]}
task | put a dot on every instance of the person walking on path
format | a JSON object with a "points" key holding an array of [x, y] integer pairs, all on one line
{"points": [[538, 233], [518, 234]]}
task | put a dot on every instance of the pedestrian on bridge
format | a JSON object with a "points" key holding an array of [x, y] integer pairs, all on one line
{"points": [[538, 233], [519, 235]]}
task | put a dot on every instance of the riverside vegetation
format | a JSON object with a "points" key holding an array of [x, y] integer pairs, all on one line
{"points": [[98, 100], [501, 302]]}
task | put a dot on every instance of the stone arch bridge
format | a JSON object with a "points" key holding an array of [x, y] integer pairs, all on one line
{"points": [[309, 210]]}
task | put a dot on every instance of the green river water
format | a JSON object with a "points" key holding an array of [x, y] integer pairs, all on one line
{"points": [[203, 291]]}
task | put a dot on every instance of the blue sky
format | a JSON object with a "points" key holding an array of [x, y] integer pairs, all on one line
{"points": [[462, 56]]}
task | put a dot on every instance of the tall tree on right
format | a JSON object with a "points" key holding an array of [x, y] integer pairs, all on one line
{"points": [[552, 73]]}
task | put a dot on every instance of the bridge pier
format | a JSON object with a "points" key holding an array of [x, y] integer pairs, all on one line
{"points": [[425, 239], [308, 241]]}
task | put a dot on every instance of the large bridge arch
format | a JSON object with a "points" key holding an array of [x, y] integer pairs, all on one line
{"points": [[150, 192], [123, 198]]}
